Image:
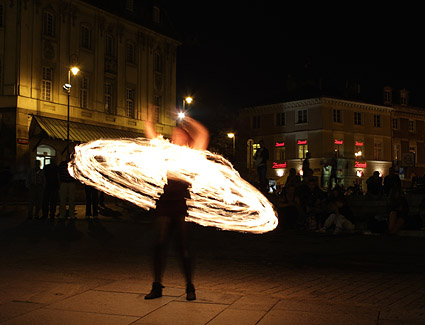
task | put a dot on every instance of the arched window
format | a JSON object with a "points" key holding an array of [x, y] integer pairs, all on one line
{"points": [[45, 154]]}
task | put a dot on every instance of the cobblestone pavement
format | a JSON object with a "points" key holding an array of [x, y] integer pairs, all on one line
{"points": [[98, 273]]}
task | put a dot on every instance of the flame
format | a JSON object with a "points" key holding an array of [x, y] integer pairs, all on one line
{"points": [[137, 169]]}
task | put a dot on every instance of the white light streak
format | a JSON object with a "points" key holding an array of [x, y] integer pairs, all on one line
{"points": [[136, 170]]}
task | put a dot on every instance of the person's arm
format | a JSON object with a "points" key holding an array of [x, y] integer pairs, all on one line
{"points": [[198, 132]]}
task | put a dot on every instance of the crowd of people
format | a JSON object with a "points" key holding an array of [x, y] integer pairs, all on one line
{"points": [[302, 204], [53, 185]]}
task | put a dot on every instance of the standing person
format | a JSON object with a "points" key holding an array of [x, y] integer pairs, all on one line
{"points": [[171, 209], [293, 179], [398, 209], [334, 166], [51, 191], [35, 183], [390, 181], [374, 186], [306, 162], [91, 201], [66, 191], [261, 156]]}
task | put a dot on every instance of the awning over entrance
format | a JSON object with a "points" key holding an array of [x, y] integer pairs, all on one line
{"points": [[78, 132]]}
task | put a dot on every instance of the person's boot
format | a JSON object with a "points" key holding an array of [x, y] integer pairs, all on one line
{"points": [[156, 291], [190, 292]]}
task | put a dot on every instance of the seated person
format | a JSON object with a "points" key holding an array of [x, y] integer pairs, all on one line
{"points": [[288, 205]]}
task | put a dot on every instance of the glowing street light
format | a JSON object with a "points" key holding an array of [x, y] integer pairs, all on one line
{"points": [[187, 100], [232, 136], [67, 88]]}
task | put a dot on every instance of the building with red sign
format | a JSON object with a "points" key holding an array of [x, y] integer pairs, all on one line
{"points": [[363, 137]]}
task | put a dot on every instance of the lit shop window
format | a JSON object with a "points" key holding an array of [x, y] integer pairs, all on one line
{"points": [[339, 147], [358, 150], [302, 148]]}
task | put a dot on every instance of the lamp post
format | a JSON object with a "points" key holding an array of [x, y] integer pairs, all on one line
{"points": [[233, 137], [67, 88], [187, 100]]}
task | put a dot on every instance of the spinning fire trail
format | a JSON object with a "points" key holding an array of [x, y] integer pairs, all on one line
{"points": [[136, 170]]}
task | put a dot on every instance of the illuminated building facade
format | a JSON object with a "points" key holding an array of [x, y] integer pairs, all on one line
{"points": [[363, 137], [126, 54]]}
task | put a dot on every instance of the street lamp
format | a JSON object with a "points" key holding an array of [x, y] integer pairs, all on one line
{"points": [[187, 100], [233, 137], [67, 88]]}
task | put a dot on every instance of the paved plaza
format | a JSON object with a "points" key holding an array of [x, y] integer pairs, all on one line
{"points": [[98, 272]]}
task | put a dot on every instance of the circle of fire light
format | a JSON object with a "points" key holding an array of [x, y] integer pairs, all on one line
{"points": [[137, 169]]}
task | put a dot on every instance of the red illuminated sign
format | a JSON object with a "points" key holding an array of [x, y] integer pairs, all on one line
{"points": [[302, 142], [277, 165], [358, 164], [22, 141], [338, 141], [280, 144], [359, 144]]}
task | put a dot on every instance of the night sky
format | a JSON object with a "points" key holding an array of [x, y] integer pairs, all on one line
{"points": [[233, 57]]}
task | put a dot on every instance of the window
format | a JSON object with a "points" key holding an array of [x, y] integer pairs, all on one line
{"points": [[130, 102], [412, 126], [280, 119], [357, 118], [158, 62], [46, 87], [109, 45], [280, 153], [48, 24], [156, 14], [84, 89], [157, 111], [358, 150], [302, 116], [404, 97], [256, 122], [377, 121], [129, 54], [412, 149], [396, 123], [339, 148], [129, 5], [85, 37], [302, 150], [108, 98], [397, 152], [377, 151], [45, 154], [388, 95], [337, 116]]}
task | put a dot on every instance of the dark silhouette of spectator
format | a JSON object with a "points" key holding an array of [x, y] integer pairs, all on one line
{"points": [[313, 204], [390, 180], [35, 183], [333, 163], [6, 177], [51, 191], [374, 186], [293, 178], [398, 209], [306, 162], [260, 158], [288, 204], [171, 208], [66, 191], [92, 209], [340, 216]]}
